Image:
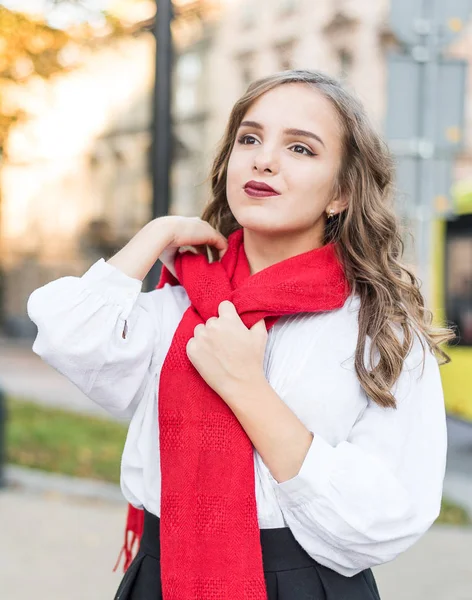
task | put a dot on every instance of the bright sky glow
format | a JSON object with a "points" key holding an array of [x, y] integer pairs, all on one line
{"points": [[64, 15]]}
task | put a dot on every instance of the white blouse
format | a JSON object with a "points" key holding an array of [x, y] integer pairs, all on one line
{"points": [[371, 483]]}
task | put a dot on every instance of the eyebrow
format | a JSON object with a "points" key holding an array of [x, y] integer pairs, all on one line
{"points": [[296, 132]]}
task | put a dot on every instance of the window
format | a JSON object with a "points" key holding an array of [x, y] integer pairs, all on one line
{"points": [[344, 63], [458, 277], [285, 55], [246, 68], [189, 67], [188, 73], [186, 99], [249, 14], [287, 7]]}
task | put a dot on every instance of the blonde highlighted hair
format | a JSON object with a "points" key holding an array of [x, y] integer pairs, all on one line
{"points": [[367, 235]]}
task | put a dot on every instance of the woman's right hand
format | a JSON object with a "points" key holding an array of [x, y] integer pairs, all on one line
{"points": [[190, 233], [193, 231], [161, 238]]}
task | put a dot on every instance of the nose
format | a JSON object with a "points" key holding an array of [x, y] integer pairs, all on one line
{"points": [[266, 160]]}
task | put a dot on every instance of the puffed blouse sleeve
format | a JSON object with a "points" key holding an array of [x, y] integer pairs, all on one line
{"points": [[103, 333], [368, 499]]}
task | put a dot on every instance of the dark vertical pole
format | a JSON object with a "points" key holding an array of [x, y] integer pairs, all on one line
{"points": [[161, 148]]}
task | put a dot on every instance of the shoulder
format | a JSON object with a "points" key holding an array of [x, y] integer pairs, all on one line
{"points": [[166, 306], [341, 322], [348, 320], [340, 325], [328, 336], [176, 295], [339, 329], [170, 295]]}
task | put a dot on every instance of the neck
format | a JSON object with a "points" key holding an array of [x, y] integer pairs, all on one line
{"points": [[265, 250]]}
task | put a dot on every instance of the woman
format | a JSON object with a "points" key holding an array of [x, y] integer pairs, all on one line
{"points": [[287, 419]]}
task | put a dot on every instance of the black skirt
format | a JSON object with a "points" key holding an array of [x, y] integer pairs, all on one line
{"points": [[290, 573]]}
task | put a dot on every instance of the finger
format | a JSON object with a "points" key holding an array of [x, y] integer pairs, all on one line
{"points": [[211, 321], [199, 329], [218, 240], [193, 249], [227, 308], [190, 348], [260, 326]]}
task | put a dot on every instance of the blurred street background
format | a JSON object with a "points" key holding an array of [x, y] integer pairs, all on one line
{"points": [[110, 117]]}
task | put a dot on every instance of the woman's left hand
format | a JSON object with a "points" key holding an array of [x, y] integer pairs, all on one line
{"points": [[227, 354]]}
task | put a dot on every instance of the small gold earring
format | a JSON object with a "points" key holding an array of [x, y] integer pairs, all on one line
{"points": [[330, 214]]}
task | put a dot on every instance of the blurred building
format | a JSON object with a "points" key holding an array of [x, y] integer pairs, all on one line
{"points": [[77, 184]]}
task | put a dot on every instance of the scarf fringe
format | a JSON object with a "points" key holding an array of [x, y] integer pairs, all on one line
{"points": [[133, 533]]}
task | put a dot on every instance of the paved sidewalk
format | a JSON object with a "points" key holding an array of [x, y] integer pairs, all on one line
{"points": [[436, 568], [57, 547]]}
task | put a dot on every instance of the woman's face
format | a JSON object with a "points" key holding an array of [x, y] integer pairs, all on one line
{"points": [[291, 140]]}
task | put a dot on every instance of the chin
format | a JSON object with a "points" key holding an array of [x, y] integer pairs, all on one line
{"points": [[264, 217]]}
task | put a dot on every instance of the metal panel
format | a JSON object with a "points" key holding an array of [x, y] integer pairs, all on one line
{"points": [[408, 185], [403, 93], [403, 16], [450, 17], [409, 18], [443, 201], [403, 119], [451, 99]]}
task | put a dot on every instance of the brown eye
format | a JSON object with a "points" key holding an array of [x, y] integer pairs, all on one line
{"points": [[243, 138], [304, 150]]}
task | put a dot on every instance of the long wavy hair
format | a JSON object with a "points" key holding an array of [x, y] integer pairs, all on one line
{"points": [[367, 236]]}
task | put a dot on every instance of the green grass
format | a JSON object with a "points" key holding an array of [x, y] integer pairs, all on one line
{"points": [[64, 442], [452, 514]]}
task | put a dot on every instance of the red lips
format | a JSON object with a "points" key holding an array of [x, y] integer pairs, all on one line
{"points": [[257, 186]]}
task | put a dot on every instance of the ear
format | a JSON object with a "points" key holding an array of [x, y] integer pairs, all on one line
{"points": [[338, 205]]}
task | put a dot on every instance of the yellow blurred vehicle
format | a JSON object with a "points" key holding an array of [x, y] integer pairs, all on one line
{"points": [[452, 298]]}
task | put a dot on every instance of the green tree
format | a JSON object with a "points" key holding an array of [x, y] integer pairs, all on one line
{"points": [[31, 48]]}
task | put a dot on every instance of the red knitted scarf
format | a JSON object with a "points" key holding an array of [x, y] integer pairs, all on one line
{"points": [[210, 540]]}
